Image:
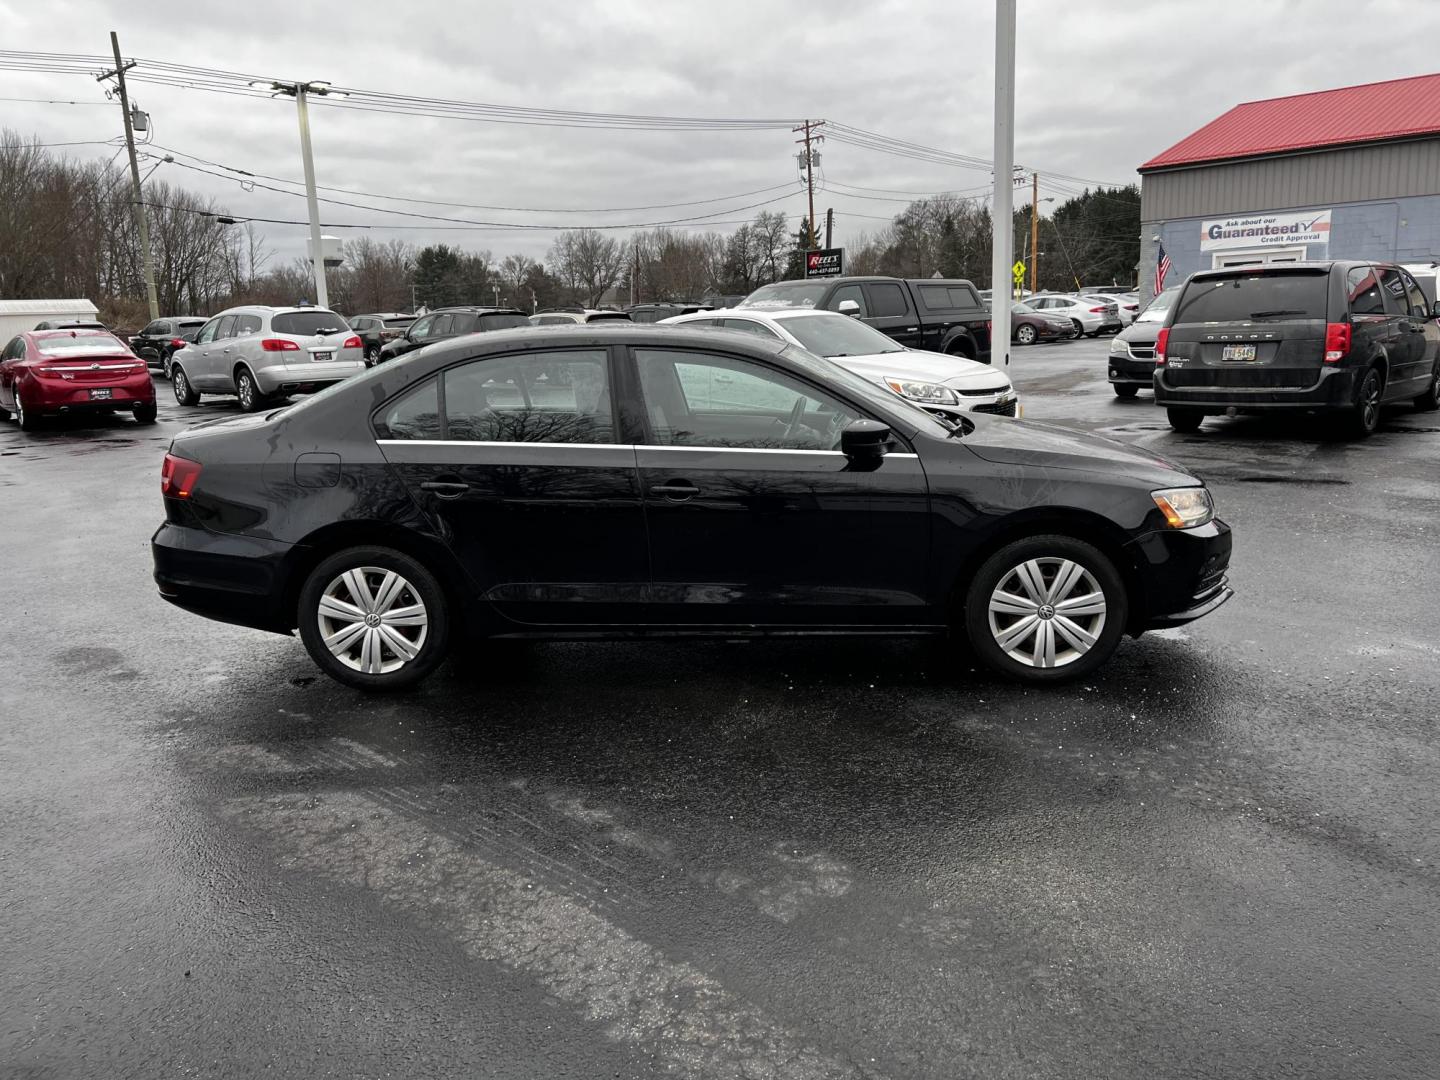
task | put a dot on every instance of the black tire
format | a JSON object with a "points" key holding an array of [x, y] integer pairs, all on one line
{"points": [[1025, 335], [185, 394], [1050, 553], [1429, 401], [1184, 420], [27, 420], [372, 354], [248, 391], [145, 413], [1362, 418], [1079, 329], [420, 587], [1125, 390]]}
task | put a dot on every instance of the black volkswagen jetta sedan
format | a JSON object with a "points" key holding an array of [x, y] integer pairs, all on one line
{"points": [[623, 480]]}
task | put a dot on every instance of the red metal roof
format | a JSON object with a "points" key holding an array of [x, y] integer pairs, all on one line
{"points": [[1351, 114]]}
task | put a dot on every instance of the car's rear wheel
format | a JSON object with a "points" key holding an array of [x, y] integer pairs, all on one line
{"points": [[374, 618], [1429, 401], [1186, 420], [372, 354], [246, 389], [1046, 609], [185, 394], [1079, 328], [1362, 418], [27, 419], [1125, 390], [1025, 335], [145, 412]]}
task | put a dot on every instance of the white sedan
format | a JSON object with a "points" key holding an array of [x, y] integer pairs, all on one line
{"points": [[1089, 316], [939, 383]]}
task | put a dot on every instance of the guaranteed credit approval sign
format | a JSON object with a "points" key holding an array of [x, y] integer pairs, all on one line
{"points": [[1266, 230]]}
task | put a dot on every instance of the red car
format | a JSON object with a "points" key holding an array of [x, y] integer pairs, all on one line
{"points": [[51, 372]]}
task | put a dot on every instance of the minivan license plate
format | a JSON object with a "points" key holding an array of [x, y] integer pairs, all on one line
{"points": [[1238, 352], [326, 354]]}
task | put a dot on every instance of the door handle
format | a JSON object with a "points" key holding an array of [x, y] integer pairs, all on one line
{"points": [[446, 489], [676, 490]]}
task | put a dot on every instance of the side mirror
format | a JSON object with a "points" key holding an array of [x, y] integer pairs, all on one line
{"points": [[1435, 310], [864, 441], [849, 307]]}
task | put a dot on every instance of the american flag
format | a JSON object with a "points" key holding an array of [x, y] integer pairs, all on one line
{"points": [[1162, 267]]}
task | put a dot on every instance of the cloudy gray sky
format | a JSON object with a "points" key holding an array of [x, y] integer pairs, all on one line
{"points": [[1101, 87]]}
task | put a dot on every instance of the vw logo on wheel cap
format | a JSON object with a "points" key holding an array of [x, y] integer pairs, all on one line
{"points": [[1047, 611]]}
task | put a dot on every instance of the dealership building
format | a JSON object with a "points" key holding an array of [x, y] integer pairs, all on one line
{"points": [[1352, 173]]}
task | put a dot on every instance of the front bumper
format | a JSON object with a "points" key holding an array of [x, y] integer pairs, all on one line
{"points": [[1334, 389], [225, 577], [1125, 370], [1183, 572]]}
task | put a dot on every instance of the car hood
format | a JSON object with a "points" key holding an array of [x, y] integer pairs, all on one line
{"points": [[1142, 332], [922, 366], [1026, 442]]}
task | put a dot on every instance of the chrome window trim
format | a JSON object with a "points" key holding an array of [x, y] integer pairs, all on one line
{"points": [[618, 446]]}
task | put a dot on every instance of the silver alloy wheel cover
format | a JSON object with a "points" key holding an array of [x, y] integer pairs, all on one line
{"points": [[246, 396], [178, 384], [19, 408], [1026, 334], [372, 620], [1047, 612], [1371, 404]]}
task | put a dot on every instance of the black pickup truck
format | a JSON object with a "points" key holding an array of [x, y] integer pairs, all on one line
{"points": [[939, 314]]}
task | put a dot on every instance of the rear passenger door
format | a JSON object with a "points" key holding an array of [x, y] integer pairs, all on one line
{"points": [[517, 462], [1423, 331], [1405, 338], [891, 312]]}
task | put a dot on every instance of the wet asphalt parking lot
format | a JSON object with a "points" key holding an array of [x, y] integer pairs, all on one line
{"points": [[1216, 858]]}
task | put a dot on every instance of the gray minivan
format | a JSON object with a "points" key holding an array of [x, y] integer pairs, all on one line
{"points": [[255, 353]]}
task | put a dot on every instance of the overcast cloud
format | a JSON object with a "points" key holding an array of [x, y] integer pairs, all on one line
{"points": [[1102, 87]]}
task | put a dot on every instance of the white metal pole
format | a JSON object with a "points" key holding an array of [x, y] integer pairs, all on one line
{"points": [[322, 295], [1002, 224]]}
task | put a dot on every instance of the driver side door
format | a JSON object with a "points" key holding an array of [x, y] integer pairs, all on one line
{"points": [[755, 517]]}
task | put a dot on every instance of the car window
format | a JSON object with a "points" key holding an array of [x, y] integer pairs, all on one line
{"points": [[1362, 291], [552, 320], [699, 399], [947, 297], [360, 324], [1393, 286], [549, 397], [420, 328], [441, 326], [463, 322], [415, 415], [503, 322], [1245, 295], [207, 333], [155, 329], [787, 294], [226, 328], [1419, 307], [308, 323], [607, 316], [748, 326], [837, 335], [397, 323], [247, 325], [14, 348], [886, 300]]}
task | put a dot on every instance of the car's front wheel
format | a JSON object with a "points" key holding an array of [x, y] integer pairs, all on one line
{"points": [[185, 394], [374, 618], [1025, 335], [1046, 609]]}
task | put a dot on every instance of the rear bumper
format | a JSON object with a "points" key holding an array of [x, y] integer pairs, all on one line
{"points": [[67, 397], [293, 376], [1334, 389], [1184, 572], [228, 578]]}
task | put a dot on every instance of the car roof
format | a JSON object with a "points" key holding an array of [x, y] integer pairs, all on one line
{"points": [[1308, 265], [601, 334], [476, 309]]}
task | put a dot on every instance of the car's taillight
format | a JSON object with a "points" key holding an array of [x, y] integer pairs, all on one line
{"points": [[1161, 340], [177, 343], [178, 476], [988, 325], [1097, 311], [1337, 341], [275, 344], [353, 342]]}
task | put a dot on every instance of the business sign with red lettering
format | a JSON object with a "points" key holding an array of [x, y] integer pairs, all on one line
{"points": [[827, 262]]}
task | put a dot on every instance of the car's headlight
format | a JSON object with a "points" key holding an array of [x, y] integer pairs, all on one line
{"points": [[1185, 508], [929, 393], [1118, 346]]}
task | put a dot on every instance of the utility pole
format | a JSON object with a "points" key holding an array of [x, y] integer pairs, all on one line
{"points": [[496, 289], [142, 221], [1034, 229], [809, 127], [829, 225], [300, 91], [1002, 224]]}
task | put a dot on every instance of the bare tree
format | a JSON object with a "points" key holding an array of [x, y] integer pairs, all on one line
{"points": [[588, 261]]}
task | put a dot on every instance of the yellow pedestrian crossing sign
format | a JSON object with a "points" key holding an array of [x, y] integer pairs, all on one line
{"points": [[1018, 270]]}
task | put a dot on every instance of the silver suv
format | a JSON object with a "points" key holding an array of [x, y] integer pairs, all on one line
{"points": [[254, 353]]}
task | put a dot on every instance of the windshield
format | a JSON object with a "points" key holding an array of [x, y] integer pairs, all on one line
{"points": [[785, 294], [308, 323], [863, 389], [503, 322], [1248, 295], [837, 335], [1023, 309], [1158, 308]]}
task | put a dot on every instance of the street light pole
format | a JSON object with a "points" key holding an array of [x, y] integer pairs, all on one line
{"points": [[317, 253], [1002, 224]]}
